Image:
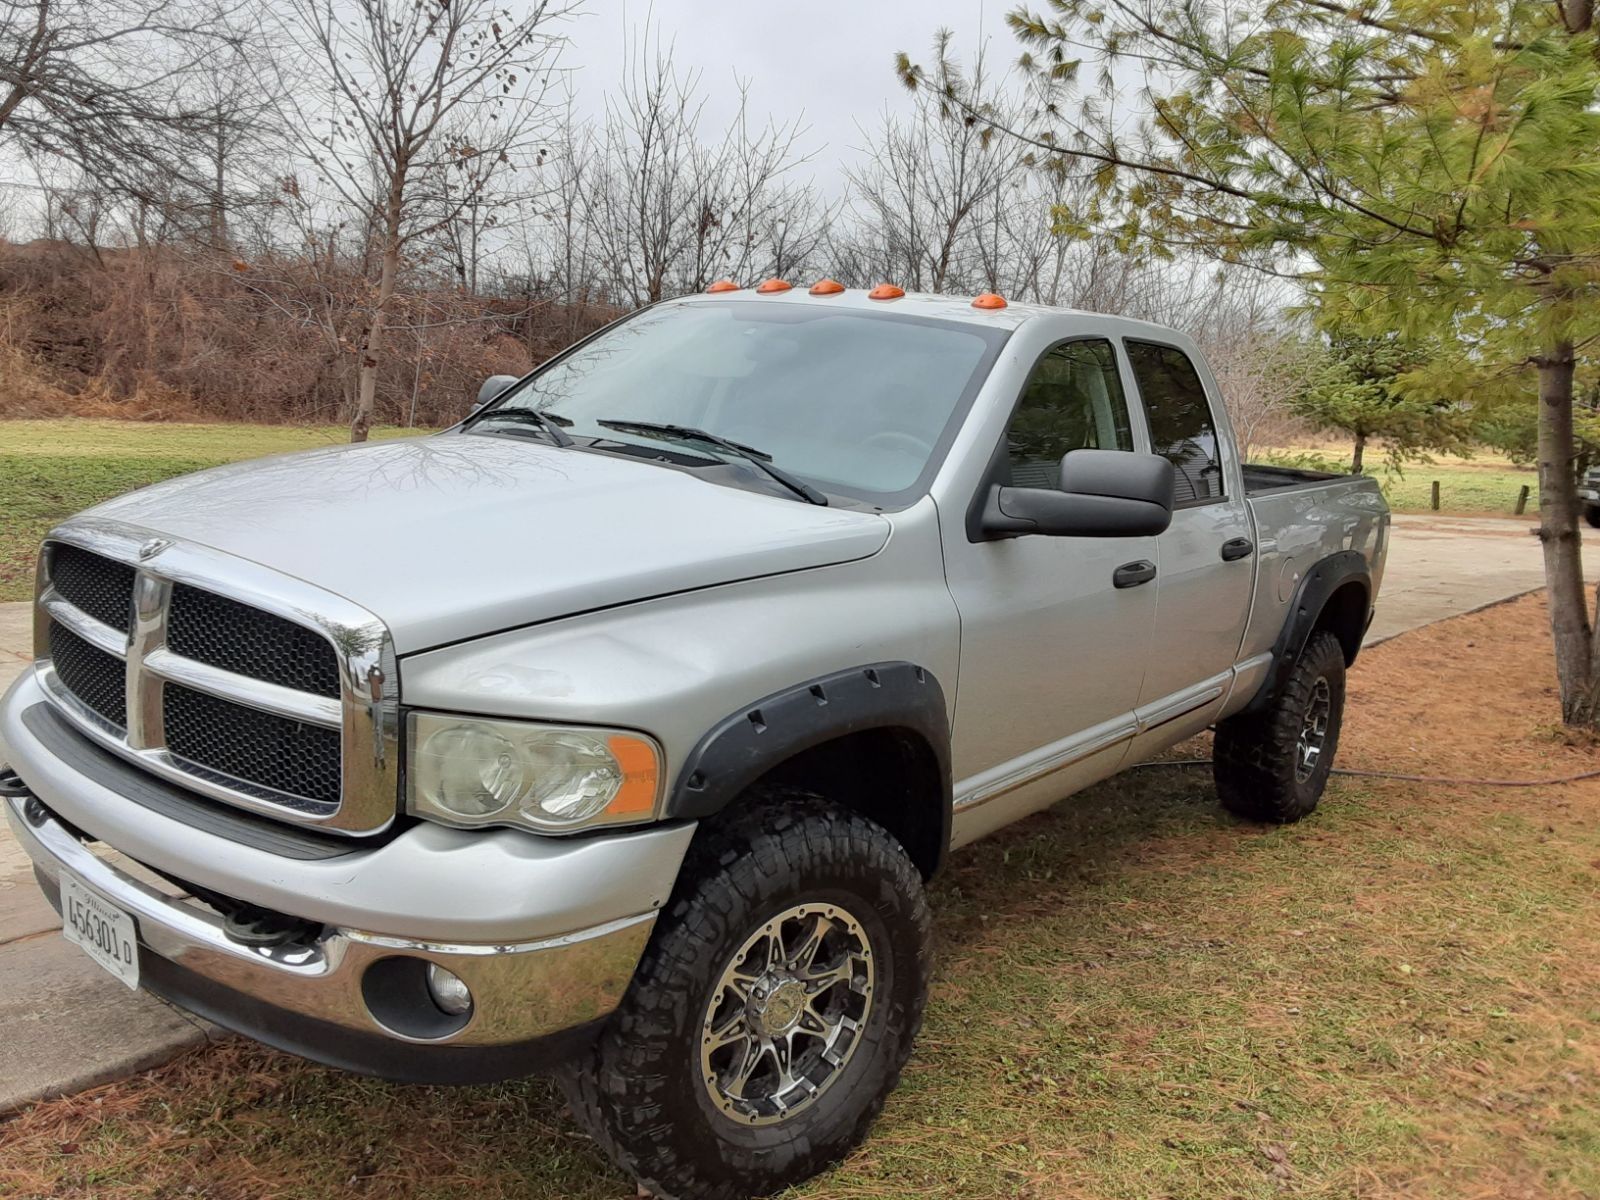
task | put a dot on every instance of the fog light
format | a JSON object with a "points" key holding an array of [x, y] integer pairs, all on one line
{"points": [[449, 992]]}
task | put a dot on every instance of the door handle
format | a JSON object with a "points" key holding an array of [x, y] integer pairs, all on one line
{"points": [[1240, 547], [1133, 574]]}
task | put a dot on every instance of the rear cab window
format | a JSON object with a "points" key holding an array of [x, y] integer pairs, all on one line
{"points": [[1182, 429]]}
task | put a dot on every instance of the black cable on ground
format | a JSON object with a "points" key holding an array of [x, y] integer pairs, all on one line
{"points": [[1444, 779]]}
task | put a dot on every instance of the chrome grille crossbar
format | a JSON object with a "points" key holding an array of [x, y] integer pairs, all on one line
{"points": [[257, 693], [97, 634], [364, 714]]}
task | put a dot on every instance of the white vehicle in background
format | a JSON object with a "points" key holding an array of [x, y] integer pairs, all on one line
{"points": [[616, 731]]}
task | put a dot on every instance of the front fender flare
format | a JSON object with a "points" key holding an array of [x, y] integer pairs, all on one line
{"points": [[746, 744]]}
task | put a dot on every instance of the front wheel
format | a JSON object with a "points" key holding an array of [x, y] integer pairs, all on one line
{"points": [[1273, 765], [773, 1010], [1591, 514]]}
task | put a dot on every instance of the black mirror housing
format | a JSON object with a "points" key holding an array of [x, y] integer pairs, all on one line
{"points": [[492, 387], [1103, 493]]}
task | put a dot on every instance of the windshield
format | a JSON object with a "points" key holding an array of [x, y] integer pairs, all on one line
{"points": [[859, 404]]}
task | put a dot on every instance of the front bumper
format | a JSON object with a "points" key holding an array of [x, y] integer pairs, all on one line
{"points": [[545, 932]]}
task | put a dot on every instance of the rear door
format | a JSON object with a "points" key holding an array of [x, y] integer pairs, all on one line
{"points": [[1205, 560], [1052, 653]]}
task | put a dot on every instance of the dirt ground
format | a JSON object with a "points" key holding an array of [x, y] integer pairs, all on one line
{"points": [[1474, 696], [1137, 997]]}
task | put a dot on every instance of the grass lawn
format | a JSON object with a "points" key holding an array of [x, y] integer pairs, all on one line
{"points": [[1137, 997], [1486, 484], [1463, 488], [52, 469]]}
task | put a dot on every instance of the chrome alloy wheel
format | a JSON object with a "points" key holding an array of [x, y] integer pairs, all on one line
{"points": [[1313, 731], [787, 1013]]}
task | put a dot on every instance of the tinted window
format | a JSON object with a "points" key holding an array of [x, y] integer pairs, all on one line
{"points": [[854, 402], [1072, 401], [1181, 428]]}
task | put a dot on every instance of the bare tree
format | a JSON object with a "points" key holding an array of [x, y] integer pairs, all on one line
{"points": [[559, 243], [100, 84], [670, 211], [923, 188], [402, 82]]}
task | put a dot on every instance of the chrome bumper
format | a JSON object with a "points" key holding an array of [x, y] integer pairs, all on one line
{"points": [[546, 932], [521, 991]]}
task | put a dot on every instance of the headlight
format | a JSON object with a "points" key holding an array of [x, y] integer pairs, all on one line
{"points": [[473, 771]]}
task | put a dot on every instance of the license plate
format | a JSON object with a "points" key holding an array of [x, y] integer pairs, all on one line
{"points": [[103, 930]]}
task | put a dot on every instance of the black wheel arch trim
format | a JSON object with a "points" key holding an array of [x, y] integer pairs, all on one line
{"points": [[1311, 598], [748, 743]]}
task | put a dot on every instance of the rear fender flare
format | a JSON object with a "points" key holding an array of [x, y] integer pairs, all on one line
{"points": [[1310, 599]]}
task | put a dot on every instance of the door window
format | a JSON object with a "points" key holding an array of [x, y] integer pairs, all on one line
{"points": [[1181, 428], [1072, 401]]}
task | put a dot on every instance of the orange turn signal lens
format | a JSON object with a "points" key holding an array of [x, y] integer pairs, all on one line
{"points": [[723, 285], [826, 287], [990, 300], [774, 285], [637, 759], [886, 291]]}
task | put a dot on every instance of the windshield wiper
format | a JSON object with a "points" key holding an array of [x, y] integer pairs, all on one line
{"points": [[550, 422], [759, 459]]}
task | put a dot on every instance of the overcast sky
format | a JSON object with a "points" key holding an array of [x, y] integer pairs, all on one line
{"points": [[830, 61]]}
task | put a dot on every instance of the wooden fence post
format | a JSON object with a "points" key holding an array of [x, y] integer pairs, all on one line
{"points": [[1522, 500], [1435, 495]]}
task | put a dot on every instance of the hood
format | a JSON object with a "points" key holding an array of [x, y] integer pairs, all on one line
{"points": [[454, 536]]}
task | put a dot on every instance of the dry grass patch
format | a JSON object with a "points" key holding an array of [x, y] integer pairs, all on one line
{"points": [[1137, 997]]}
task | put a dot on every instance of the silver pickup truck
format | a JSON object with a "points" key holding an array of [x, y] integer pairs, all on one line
{"points": [[617, 731]]}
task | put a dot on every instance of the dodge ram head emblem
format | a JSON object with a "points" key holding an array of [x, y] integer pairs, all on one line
{"points": [[153, 547]]}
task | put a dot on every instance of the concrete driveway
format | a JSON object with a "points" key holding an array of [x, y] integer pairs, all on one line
{"points": [[69, 1025], [1443, 566]]}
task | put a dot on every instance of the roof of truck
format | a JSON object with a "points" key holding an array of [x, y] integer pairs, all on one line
{"points": [[922, 304]]}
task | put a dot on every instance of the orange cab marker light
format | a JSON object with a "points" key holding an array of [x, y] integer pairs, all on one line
{"points": [[826, 287], [637, 760], [989, 300], [723, 285], [886, 291], [774, 285]]}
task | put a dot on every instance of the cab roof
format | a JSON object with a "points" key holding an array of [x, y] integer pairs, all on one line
{"points": [[921, 304]]}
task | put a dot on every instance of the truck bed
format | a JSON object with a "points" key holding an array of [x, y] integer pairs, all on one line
{"points": [[1302, 518], [1259, 478]]}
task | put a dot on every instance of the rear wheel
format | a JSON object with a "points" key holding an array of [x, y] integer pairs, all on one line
{"points": [[1273, 765], [773, 1010], [1591, 514]]}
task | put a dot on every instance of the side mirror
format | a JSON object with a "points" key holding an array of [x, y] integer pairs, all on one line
{"points": [[492, 387], [1103, 493]]}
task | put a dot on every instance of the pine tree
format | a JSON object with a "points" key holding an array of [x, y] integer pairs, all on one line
{"points": [[1429, 168], [1354, 385]]}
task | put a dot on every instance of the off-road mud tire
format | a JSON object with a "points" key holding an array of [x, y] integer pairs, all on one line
{"points": [[639, 1092], [1256, 758]]}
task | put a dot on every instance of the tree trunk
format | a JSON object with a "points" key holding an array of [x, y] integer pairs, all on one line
{"points": [[219, 194], [372, 343], [1558, 532], [1355, 458]]}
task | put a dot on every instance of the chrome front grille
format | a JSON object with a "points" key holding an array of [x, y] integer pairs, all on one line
{"points": [[234, 740], [240, 683], [247, 641], [95, 585], [98, 679]]}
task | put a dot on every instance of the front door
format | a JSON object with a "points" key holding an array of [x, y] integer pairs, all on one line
{"points": [[1052, 653]]}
